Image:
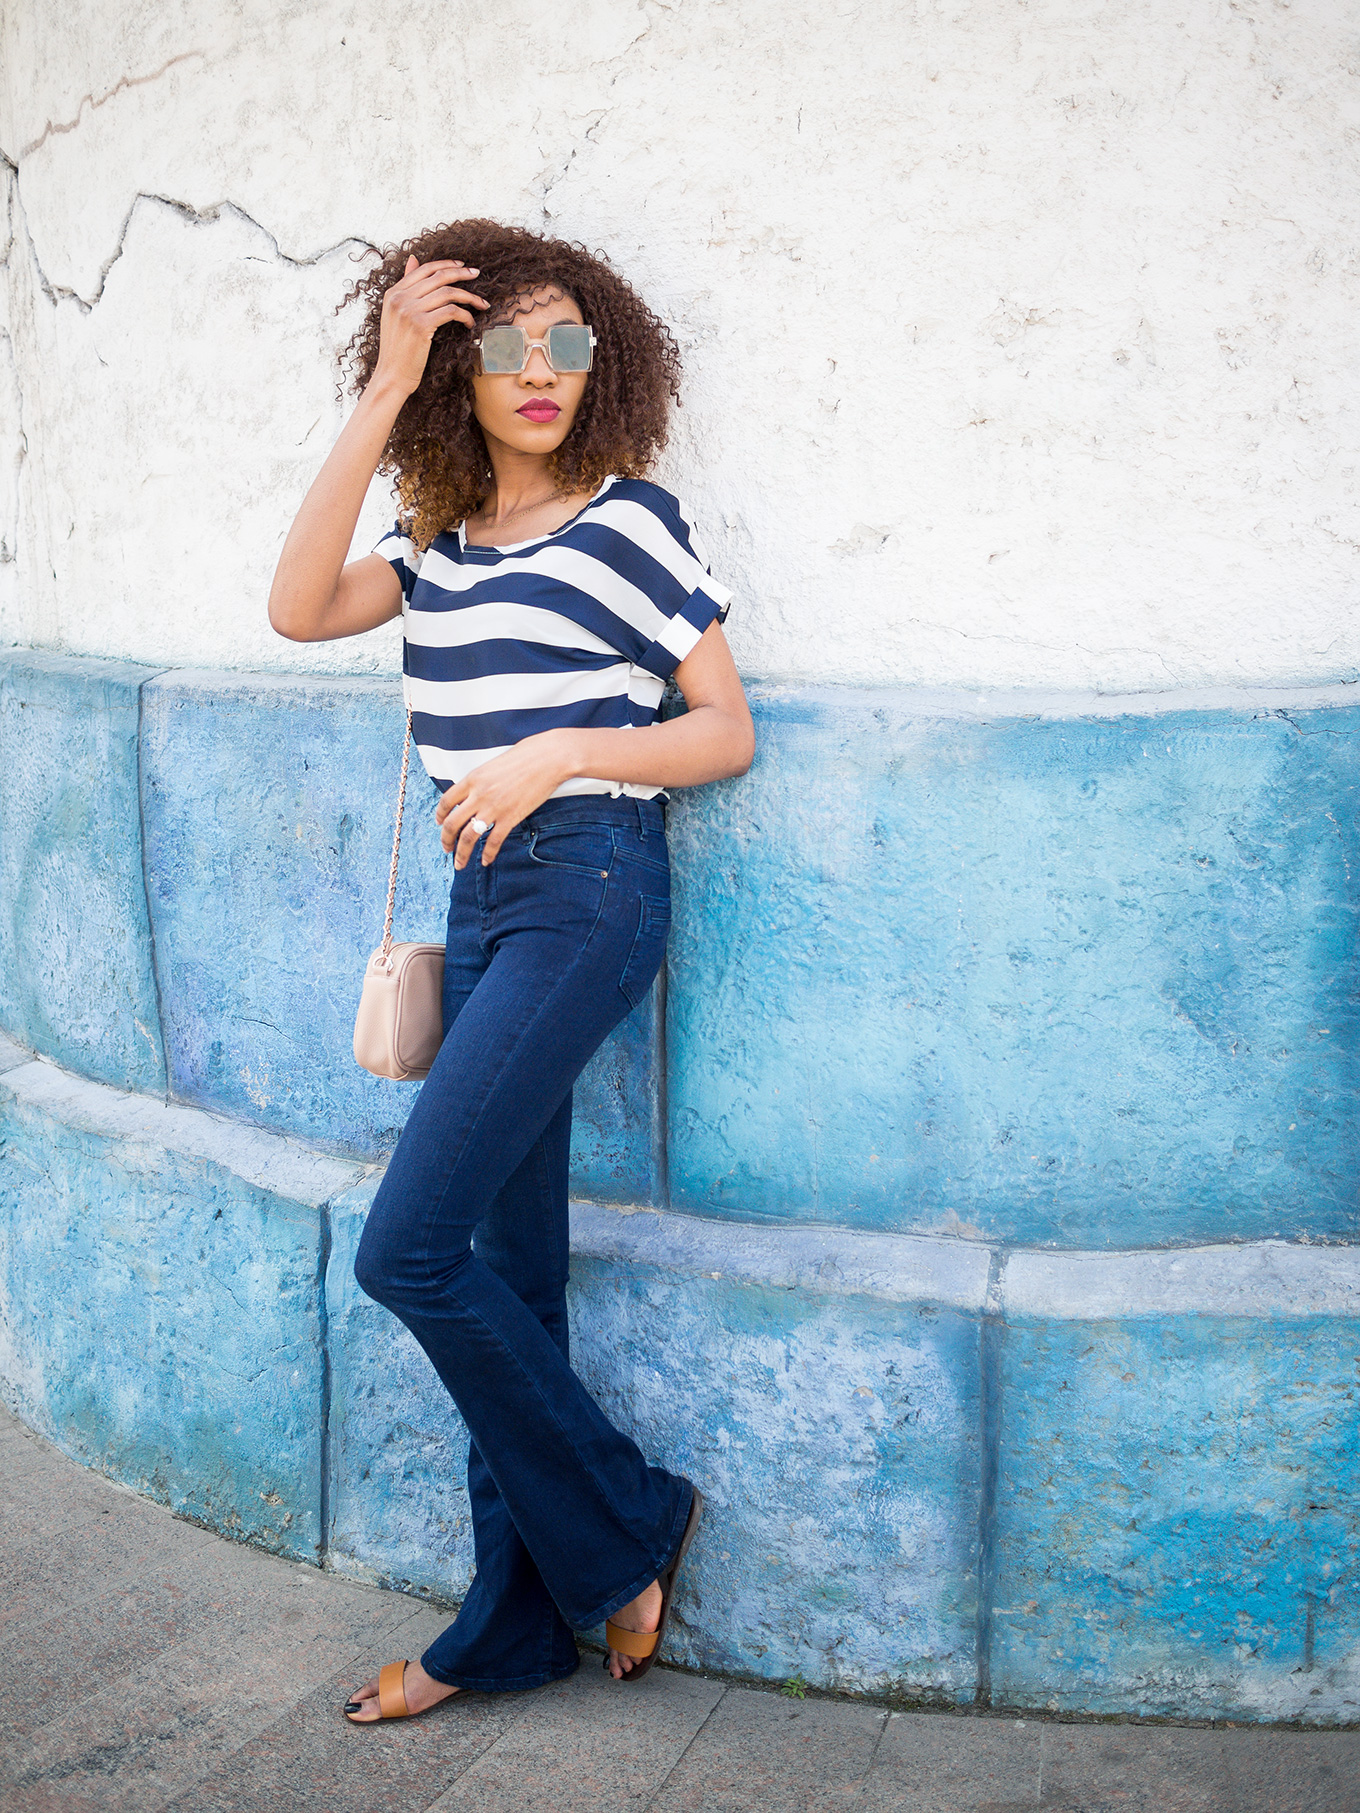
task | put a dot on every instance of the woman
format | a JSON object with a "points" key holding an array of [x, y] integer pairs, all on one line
{"points": [[519, 389]]}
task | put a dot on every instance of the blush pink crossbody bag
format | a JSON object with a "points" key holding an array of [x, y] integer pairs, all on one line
{"points": [[400, 1023]]}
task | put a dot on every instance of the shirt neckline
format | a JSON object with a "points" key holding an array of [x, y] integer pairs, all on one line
{"points": [[513, 547]]}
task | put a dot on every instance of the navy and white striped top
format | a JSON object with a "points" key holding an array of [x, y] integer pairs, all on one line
{"points": [[578, 628]]}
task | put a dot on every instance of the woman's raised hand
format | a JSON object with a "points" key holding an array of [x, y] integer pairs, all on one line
{"points": [[421, 300]]}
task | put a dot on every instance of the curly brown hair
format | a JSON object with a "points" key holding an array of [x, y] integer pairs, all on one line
{"points": [[436, 449]]}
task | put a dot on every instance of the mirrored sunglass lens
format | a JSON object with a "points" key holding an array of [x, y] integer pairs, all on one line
{"points": [[503, 349], [569, 347]]}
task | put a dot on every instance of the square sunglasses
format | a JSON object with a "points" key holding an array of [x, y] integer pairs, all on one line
{"points": [[504, 351]]}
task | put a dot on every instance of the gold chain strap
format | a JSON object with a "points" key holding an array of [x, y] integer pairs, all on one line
{"points": [[383, 959]]}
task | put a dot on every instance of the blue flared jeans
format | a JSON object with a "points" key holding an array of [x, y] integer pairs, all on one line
{"points": [[548, 948]]}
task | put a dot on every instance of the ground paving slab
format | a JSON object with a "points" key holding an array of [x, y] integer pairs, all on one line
{"points": [[155, 1668]]}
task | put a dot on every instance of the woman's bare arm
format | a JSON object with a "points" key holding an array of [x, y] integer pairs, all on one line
{"points": [[714, 739], [315, 596]]}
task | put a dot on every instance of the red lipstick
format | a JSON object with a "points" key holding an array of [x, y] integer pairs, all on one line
{"points": [[539, 409]]}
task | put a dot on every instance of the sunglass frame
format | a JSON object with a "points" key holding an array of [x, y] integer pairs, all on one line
{"points": [[529, 345]]}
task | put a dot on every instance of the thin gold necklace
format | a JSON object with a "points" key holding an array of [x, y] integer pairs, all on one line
{"points": [[521, 508]]}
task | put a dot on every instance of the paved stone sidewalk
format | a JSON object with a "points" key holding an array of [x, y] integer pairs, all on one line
{"points": [[150, 1666]]}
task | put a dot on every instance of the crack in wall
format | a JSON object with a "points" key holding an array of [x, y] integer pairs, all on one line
{"points": [[9, 533], [54, 129], [9, 530], [55, 293], [549, 180], [60, 292], [551, 176], [952, 629]]}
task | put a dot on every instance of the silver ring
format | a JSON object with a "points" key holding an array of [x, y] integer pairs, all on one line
{"points": [[480, 826]]}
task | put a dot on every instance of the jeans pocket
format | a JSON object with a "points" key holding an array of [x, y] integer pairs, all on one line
{"points": [[588, 849], [649, 947]]}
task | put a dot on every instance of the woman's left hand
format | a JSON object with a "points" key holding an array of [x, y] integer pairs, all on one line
{"points": [[500, 793]]}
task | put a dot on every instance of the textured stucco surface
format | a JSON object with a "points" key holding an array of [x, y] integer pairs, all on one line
{"points": [[1019, 352], [1177, 1518], [268, 807], [76, 976], [1017, 337], [160, 1315], [1083, 980], [927, 1476], [836, 1443], [1275, 1279], [1087, 981], [1268, 1279], [904, 1499], [397, 1494]]}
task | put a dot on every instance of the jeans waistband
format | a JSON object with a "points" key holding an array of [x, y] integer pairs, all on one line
{"points": [[644, 815]]}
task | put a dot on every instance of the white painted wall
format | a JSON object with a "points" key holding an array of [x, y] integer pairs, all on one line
{"points": [[1019, 334]]}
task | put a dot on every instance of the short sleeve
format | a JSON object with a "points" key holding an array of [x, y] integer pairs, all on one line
{"points": [[720, 595], [676, 577], [398, 550]]}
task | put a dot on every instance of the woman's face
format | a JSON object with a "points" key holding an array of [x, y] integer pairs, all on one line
{"points": [[532, 412]]}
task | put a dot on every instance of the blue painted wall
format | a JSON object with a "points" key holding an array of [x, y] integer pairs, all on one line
{"points": [[398, 1508], [268, 813], [1151, 1513], [162, 1321], [76, 975], [1079, 983], [1178, 1519], [1086, 982], [1083, 982], [837, 1443]]}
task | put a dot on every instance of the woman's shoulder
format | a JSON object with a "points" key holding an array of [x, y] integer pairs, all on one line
{"points": [[665, 535], [399, 543], [647, 492], [658, 503]]}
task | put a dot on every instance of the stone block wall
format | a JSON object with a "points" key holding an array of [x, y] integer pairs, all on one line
{"points": [[1084, 975], [971, 1212]]}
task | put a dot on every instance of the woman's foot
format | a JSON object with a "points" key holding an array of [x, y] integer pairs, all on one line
{"points": [[421, 1691], [642, 1613]]}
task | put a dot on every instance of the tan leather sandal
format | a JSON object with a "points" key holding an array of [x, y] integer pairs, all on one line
{"points": [[391, 1697], [642, 1646]]}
